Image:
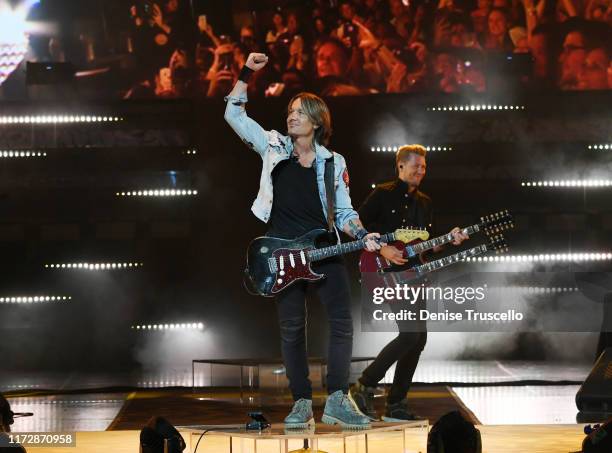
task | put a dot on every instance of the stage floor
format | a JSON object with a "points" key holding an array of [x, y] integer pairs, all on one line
{"points": [[477, 385], [523, 405]]}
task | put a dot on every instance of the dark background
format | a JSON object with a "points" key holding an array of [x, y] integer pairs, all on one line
{"points": [[63, 208]]}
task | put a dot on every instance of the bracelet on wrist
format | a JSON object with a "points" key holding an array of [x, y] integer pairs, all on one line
{"points": [[245, 74], [361, 234]]}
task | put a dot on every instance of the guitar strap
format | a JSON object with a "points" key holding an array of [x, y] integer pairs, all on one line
{"points": [[330, 192]]}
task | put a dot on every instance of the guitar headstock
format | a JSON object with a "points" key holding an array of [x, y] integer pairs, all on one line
{"points": [[497, 244], [408, 235], [497, 222]]}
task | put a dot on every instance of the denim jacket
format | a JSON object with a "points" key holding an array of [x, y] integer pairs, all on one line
{"points": [[274, 147]]}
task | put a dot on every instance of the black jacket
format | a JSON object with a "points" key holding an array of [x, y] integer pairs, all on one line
{"points": [[389, 207]]}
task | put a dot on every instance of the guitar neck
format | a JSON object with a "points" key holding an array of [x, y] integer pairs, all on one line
{"points": [[347, 247], [441, 240], [451, 259]]}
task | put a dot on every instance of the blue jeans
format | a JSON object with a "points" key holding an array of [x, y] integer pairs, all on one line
{"points": [[334, 293]]}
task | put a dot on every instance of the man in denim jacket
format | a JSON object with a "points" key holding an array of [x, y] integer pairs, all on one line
{"points": [[292, 201]]}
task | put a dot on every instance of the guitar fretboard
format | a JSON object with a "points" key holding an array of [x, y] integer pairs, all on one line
{"points": [[451, 259], [441, 240], [347, 247]]}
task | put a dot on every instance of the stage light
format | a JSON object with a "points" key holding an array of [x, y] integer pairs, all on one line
{"points": [[21, 386], [56, 119], [476, 107], [21, 154], [601, 146], [14, 31], [94, 266], [191, 151], [394, 148], [439, 148], [568, 183], [556, 257], [33, 299], [534, 289], [158, 193], [183, 383], [82, 402], [170, 326], [35, 401]]}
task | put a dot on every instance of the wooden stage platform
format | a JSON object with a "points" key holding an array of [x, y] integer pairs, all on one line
{"points": [[495, 439], [222, 406]]}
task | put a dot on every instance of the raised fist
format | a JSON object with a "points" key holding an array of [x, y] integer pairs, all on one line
{"points": [[256, 61]]}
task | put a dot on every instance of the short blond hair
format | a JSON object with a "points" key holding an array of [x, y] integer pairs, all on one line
{"points": [[404, 152]]}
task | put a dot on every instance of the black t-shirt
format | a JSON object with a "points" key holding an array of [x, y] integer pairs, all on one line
{"points": [[296, 208], [390, 206]]}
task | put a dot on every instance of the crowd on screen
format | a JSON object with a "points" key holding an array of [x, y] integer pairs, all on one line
{"points": [[357, 47]]}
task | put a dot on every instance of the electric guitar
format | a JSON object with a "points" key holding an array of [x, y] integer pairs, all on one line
{"points": [[496, 244], [375, 262], [273, 263]]}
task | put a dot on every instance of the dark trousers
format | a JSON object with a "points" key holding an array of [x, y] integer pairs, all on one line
{"points": [[405, 349], [334, 293]]}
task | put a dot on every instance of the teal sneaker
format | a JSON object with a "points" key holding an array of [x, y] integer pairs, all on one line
{"points": [[363, 397], [340, 410], [301, 415]]}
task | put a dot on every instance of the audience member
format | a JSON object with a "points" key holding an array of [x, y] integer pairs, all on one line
{"points": [[370, 46]]}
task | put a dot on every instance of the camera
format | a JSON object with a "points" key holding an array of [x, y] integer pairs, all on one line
{"points": [[144, 9], [407, 57], [226, 60], [284, 40], [349, 30]]}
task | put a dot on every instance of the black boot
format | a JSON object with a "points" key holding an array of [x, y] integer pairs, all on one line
{"points": [[398, 412], [363, 397]]}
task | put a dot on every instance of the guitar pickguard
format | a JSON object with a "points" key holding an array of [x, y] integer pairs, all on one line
{"points": [[291, 265]]}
